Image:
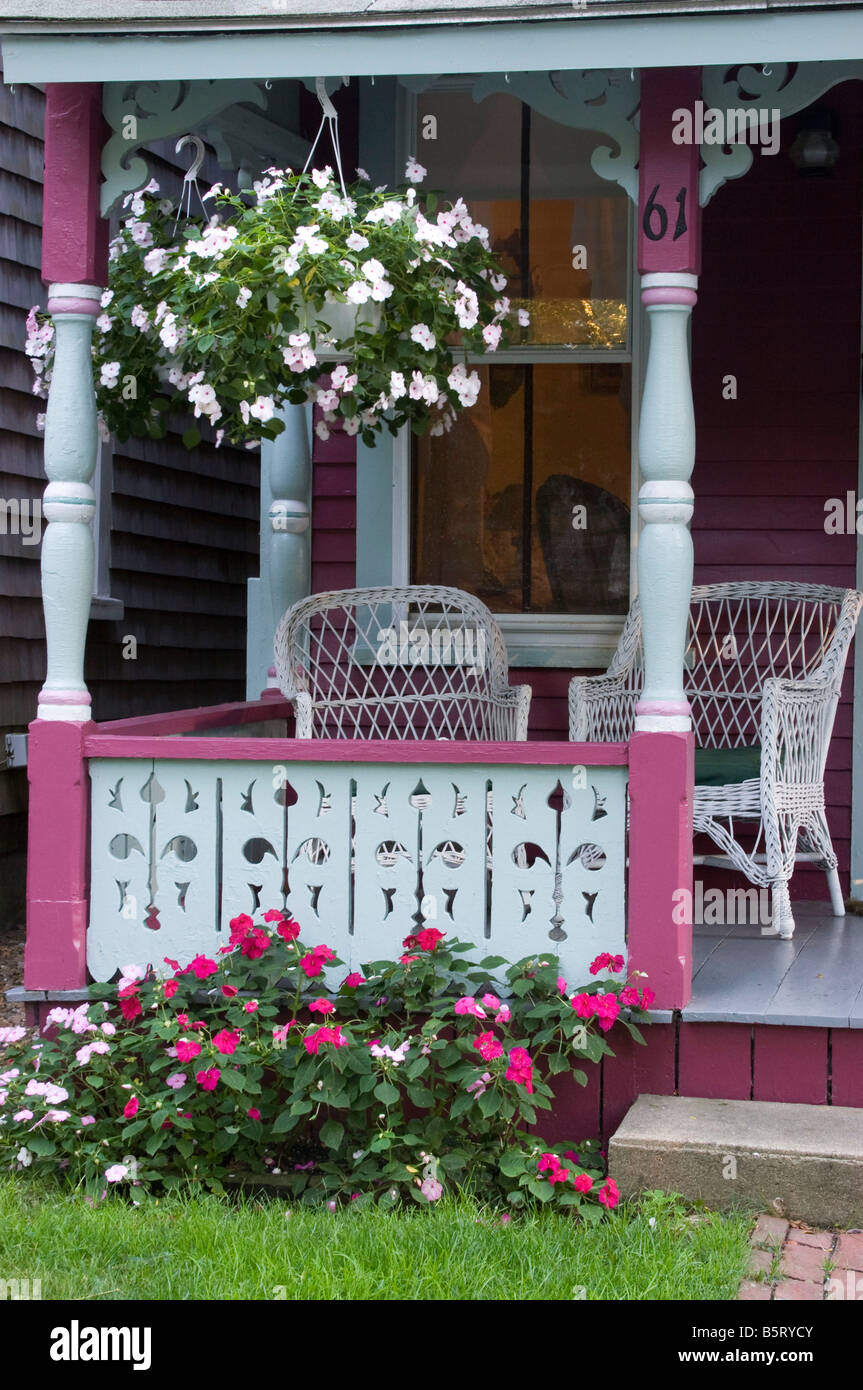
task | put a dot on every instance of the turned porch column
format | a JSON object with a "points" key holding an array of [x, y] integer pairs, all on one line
{"points": [[286, 501], [74, 265], [661, 749]]}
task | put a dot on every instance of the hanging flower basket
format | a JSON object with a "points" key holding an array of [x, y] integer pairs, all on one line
{"points": [[239, 316]]}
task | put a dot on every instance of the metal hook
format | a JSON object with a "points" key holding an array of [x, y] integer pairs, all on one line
{"points": [[506, 77], [200, 151], [766, 72], [268, 84], [323, 97]]}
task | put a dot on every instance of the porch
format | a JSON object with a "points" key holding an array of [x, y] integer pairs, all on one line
{"points": [[149, 834]]}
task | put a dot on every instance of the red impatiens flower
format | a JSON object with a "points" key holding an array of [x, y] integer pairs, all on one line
{"points": [[353, 981], [321, 1006], [288, 931], [174, 964], [201, 967], [130, 1004], [608, 1194], [324, 1035], [606, 1009], [520, 1069], [584, 1005], [255, 943], [187, 1048], [629, 997], [209, 1079], [583, 1183], [171, 987], [240, 928], [647, 997], [550, 1163], [428, 938], [229, 991], [488, 1046], [406, 960], [606, 962], [312, 965], [254, 1113], [130, 1109], [225, 1041], [324, 953], [273, 915]]}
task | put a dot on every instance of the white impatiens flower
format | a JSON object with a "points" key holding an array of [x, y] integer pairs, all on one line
{"points": [[423, 388], [107, 296], [321, 177], [245, 411], [140, 232], [291, 265], [327, 400], [140, 318], [390, 212], [491, 336], [356, 242], [104, 323], [497, 282], [358, 292], [338, 377], [423, 335], [203, 398], [523, 318], [381, 290], [351, 424], [263, 408], [24, 1156], [308, 238], [373, 270], [466, 387], [414, 172], [108, 374], [466, 306], [361, 174], [322, 430], [154, 261], [168, 332], [243, 297], [333, 205]]}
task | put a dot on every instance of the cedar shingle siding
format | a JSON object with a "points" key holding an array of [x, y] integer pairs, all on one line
{"points": [[184, 535]]}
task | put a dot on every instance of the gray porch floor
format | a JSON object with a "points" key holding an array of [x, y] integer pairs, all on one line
{"points": [[814, 980]]}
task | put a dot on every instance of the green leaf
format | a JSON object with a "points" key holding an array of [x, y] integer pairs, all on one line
{"points": [[332, 1134], [489, 1102], [521, 987], [205, 342], [492, 962], [192, 437], [543, 1191], [421, 1097], [285, 1122], [223, 1141], [558, 1062], [512, 1163], [386, 1092], [460, 1105], [234, 1080]]}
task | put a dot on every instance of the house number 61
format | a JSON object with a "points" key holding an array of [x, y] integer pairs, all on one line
{"points": [[655, 219]]}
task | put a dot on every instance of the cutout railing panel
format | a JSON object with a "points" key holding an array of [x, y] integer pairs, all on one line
{"points": [[519, 858]]}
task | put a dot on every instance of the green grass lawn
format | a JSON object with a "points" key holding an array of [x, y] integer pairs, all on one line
{"points": [[204, 1247]]}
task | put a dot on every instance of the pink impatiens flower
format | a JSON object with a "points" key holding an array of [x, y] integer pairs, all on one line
{"points": [[201, 967], [583, 1183], [321, 1006], [503, 1014], [608, 1194], [491, 1001], [226, 1040], [209, 1079], [255, 943], [520, 1069], [468, 1005], [130, 1109], [176, 1080], [187, 1048], [606, 962], [254, 1113], [488, 1046], [353, 981]]}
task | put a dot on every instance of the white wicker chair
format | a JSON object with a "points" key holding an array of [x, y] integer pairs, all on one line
{"points": [[407, 663], [763, 672]]}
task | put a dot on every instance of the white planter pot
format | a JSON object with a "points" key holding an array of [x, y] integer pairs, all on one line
{"points": [[343, 321]]}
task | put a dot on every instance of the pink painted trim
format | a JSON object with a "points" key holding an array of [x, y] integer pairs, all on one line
{"points": [[182, 721], [75, 306], [74, 234], [57, 909], [661, 777], [668, 294], [662, 707], [286, 750], [64, 697]]}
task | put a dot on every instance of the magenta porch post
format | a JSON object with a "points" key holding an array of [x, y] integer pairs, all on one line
{"points": [[74, 265], [661, 771]]}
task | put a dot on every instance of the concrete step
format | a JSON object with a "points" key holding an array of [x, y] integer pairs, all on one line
{"points": [[800, 1161]]}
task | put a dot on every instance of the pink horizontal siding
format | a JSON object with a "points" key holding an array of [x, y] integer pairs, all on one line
{"points": [[779, 308]]}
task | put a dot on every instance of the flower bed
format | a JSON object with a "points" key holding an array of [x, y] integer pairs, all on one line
{"points": [[198, 1074]]}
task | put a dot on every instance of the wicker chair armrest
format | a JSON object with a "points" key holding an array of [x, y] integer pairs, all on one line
{"points": [[593, 703], [796, 724], [516, 698]]}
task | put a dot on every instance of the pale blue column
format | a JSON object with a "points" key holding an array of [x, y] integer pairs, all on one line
{"points": [[69, 502], [286, 502], [666, 451]]}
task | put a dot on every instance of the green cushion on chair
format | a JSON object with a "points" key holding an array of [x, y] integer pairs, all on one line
{"points": [[717, 767]]}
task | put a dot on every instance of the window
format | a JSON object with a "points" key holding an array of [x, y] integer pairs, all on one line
{"points": [[526, 502]]}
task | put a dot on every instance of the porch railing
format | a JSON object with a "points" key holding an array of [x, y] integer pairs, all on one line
{"points": [[517, 847]]}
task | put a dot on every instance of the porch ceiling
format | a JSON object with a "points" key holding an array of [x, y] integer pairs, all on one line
{"points": [[114, 41]]}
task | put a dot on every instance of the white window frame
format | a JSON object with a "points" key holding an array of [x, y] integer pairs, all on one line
{"points": [[539, 639]]}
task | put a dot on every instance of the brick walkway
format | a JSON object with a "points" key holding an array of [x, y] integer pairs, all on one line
{"points": [[792, 1264]]}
